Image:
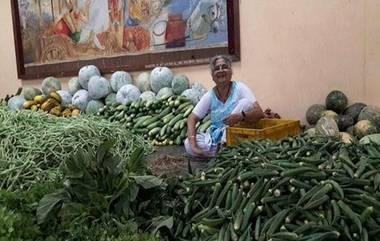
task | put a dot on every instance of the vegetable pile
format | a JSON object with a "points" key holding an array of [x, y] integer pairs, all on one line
{"points": [[33, 144], [337, 119], [162, 121], [295, 189]]}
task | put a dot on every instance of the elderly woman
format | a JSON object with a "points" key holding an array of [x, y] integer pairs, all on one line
{"points": [[229, 103]]}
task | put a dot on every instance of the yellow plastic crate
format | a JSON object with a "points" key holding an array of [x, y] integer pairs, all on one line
{"points": [[274, 129]]}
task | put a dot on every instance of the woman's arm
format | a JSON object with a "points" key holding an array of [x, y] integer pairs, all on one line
{"points": [[255, 115], [250, 116], [192, 121]]}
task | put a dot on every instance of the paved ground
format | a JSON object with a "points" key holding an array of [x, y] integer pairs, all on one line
{"points": [[172, 160]]}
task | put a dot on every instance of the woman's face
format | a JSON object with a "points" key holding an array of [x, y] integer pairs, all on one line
{"points": [[222, 73]]}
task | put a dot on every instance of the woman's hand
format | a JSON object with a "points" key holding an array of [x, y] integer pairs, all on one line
{"points": [[198, 151], [233, 119]]}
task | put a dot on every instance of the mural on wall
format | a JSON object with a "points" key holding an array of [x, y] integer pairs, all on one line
{"points": [[65, 30]]}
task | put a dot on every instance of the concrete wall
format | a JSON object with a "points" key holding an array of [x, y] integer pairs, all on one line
{"points": [[293, 52]]}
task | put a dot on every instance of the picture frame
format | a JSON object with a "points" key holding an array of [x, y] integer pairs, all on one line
{"points": [[48, 42]]}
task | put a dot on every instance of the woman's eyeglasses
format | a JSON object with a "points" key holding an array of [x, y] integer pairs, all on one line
{"points": [[221, 67]]}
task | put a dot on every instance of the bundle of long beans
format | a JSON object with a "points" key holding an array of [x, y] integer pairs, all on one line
{"points": [[33, 144]]}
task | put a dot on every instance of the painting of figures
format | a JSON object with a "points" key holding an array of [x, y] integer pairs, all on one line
{"points": [[62, 31]]}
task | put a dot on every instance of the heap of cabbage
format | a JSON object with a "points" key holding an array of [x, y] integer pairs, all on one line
{"points": [[90, 91]]}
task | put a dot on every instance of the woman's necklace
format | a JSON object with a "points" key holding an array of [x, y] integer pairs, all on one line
{"points": [[224, 99]]}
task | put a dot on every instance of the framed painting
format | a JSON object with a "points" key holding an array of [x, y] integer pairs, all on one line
{"points": [[58, 37]]}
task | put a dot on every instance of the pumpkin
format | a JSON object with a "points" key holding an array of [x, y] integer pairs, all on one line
{"points": [[65, 96], [74, 85], [160, 77], [354, 110], [350, 130], [50, 84], [363, 128], [336, 101], [326, 126], [30, 92], [16, 102], [179, 84], [80, 99], [85, 73], [93, 106], [127, 93], [371, 113], [119, 79], [311, 132], [110, 99], [346, 138], [331, 114], [166, 91], [98, 87], [314, 113], [148, 96], [344, 121], [143, 82]]}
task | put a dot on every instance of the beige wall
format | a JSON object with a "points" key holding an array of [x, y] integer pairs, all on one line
{"points": [[372, 83], [293, 52]]}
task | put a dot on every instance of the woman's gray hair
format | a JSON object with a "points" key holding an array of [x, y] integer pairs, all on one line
{"points": [[213, 60]]}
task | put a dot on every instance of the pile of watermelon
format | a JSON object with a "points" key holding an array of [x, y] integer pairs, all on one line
{"points": [[338, 119]]}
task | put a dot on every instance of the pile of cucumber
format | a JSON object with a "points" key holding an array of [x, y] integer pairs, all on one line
{"points": [[306, 189], [163, 121]]}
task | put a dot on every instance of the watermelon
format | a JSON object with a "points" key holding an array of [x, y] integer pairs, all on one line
{"points": [[354, 110], [371, 113], [344, 121], [326, 126], [314, 113], [363, 128], [336, 101]]}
